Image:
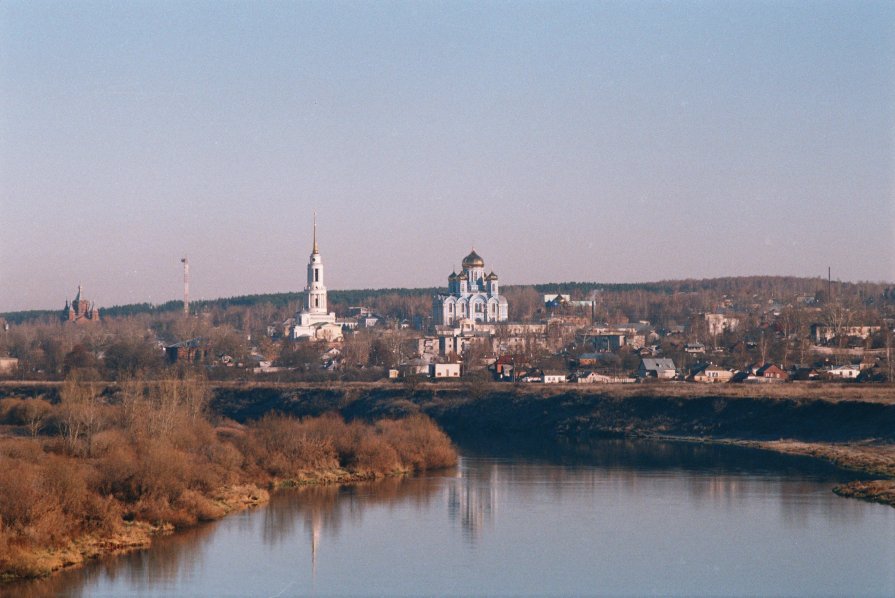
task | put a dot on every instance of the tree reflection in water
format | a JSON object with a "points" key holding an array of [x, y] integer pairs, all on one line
{"points": [[140, 570]]}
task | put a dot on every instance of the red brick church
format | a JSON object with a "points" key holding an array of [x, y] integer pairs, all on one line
{"points": [[80, 310]]}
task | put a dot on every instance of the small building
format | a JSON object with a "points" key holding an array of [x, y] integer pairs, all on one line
{"points": [[609, 341], [656, 367], [694, 348], [589, 377], [845, 372], [444, 370], [771, 372], [414, 367], [712, 374], [194, 350], [554, 377]]}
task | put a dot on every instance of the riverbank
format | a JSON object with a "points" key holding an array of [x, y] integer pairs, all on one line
{"points": [[93, 474], [35, 562], [147, 448], [851, 426]]}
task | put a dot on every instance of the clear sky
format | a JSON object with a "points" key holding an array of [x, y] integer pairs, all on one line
{"points": [[606, 141]]}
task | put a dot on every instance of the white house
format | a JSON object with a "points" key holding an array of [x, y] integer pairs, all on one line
{"points": [[849, 372], [444, 370], [554, 377]]}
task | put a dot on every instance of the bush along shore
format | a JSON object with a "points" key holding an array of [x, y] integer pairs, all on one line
{"points": [[98, 472]]}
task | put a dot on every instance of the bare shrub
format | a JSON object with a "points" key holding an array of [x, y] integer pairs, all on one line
{"points": [[285, 446], [420, 444], [375, 456]]}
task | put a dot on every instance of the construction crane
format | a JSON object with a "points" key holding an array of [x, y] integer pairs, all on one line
{"points": [[186, 285]]}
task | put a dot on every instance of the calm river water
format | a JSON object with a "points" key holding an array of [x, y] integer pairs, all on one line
{"points": [[612, 518]]}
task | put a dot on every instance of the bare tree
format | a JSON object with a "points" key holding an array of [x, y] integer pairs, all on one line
{"points": [[80, 413]]}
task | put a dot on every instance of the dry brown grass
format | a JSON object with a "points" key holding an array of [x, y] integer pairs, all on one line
{"points": [[150, 458]]}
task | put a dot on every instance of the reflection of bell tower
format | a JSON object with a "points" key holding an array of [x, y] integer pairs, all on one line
{"points": [[473, 501], [316, 525]]}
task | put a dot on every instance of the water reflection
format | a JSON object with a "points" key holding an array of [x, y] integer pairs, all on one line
{"points": [[512, 516], [472, 499], [141, 571]]}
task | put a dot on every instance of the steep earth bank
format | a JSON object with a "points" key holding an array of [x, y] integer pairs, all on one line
{"points": [[854, 430]]}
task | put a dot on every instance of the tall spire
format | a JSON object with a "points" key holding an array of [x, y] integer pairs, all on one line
{"points": [[315, 232]]}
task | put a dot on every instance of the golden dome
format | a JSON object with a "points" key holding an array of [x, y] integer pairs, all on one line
{"points": [[491, 276], [473, 260]]}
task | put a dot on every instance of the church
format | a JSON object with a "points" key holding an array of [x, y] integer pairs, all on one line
{"points": [[80, 310], [314, 321], [472, 295]]}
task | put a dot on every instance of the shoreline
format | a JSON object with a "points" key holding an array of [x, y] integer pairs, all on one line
{"points": [[870, 459], [850, 429], [138, 535]]}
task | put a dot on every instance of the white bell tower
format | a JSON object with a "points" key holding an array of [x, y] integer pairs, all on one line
{"points": [[316, 290]]}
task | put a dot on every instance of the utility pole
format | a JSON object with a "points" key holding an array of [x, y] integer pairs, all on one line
{"points": [[186, 285]]}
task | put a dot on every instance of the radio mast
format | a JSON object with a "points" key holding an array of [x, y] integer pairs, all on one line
{"points": [[186, 285]]}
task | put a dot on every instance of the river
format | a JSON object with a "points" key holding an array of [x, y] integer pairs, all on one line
{"points": [[611, 518]]}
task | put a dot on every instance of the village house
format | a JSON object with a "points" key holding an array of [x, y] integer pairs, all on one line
{"points": [[554, 377], [444, 370], [505, 366], [656, 367], [414, 367], [771, 373], [194, 350], [711, 374], [845, 372], [590, 377], [604, 341]]}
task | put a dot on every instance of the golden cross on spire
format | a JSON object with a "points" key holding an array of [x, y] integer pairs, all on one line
{"points": [[315, 232]]}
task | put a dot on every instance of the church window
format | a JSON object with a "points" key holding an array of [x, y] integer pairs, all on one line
{"points": [[316, 275], [316, 301]]}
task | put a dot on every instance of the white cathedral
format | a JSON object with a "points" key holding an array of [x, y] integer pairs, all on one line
{"points": [[472, 295], [314, 322]]}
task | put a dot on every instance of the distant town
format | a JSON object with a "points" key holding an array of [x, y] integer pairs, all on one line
{"points": [[750, 330]]}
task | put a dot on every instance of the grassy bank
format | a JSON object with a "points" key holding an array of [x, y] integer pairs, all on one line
{"points": [[97, 473]]}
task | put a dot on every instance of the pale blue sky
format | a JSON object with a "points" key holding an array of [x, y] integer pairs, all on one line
{"points": [[605, 141]]}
